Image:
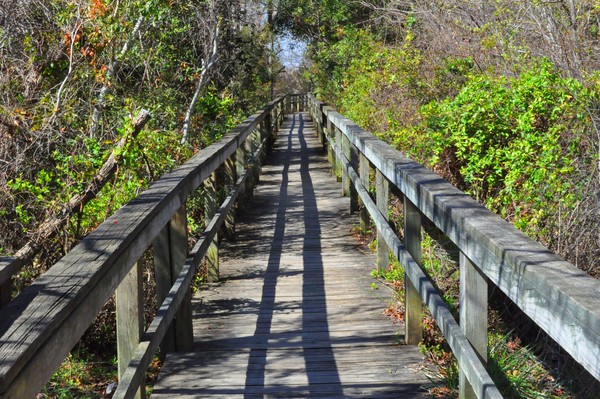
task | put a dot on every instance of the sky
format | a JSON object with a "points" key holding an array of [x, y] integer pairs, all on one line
{"points": [[292, 51]]}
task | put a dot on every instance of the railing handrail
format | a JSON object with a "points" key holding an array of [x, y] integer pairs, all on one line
{"points": [[41, 326], [558, 297]]}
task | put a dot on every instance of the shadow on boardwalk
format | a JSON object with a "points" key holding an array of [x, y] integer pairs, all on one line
{"points": [[295, 314]]}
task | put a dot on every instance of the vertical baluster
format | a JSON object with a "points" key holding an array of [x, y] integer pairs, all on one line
{"points": [[258, 161], [473, 315], [249, 154], [382, 199], [231, 177], [345, 147], [364, 173], [162, 275], [129, 303], [184, 335], [412, 299], [330, 153], [211, 205], [240, 165], [338, 161], [321, 113], [170, 251], [264, 137], [353, 157]]}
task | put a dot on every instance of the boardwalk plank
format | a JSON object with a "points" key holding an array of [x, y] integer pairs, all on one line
{"points": [[295, 314]]}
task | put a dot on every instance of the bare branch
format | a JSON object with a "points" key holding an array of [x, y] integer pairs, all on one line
{"points": [[202, 81]]}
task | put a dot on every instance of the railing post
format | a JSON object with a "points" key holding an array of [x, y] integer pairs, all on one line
{"points": [[382, 199], [170, 251], [211, 205], [240, 166], [321, 113], [329, 131], [231, 177], [412, 299], [248, 146], [353, 157], [345, 147], [129, 303], [364, 173], [256, 140], [473, 315], [263, 137], [338, 162]]}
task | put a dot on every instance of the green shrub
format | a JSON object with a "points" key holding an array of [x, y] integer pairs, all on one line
{"points": [[510, 143]]}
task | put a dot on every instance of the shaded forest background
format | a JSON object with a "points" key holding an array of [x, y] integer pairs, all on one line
{"points": [[502, 98]]}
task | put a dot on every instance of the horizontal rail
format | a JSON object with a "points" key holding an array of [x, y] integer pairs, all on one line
{"points": [[561, 299], [135, 372], [41, 326], [466, 356]]}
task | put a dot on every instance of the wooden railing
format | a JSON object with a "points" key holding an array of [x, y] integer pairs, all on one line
{"points": [[40, 326], [561, 299]]}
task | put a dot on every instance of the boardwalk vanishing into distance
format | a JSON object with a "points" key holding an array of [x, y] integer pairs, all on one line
{"points": [[295, 313]]}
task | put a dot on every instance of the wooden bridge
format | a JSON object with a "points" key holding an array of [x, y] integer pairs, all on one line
{"points": [[290, 309]]}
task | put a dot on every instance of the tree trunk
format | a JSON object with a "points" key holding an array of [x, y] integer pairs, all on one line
{"points": [[53, 224]]}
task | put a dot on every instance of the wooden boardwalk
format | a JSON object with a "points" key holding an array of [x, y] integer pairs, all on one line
{"points": [[295, 314]]}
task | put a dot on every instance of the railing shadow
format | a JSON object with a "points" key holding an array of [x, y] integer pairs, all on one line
{"points": [[314, 282], [258, 353], [313, 304]]}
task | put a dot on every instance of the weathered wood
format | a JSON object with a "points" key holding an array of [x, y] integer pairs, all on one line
{"points": [[170, 252], [211, 205], [255, 144], [184, 336], [339, 157], [330, 135], [365, 179], [473, 316], [353, 158], [382, 197], [269, 133], [468, 359], [262, 137], [345, 145], [413, 314], [230, 179], [295, 314], [162, 276], [240, 166], [129, 300], [136, 369], [34, 340], [556, 295]]}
